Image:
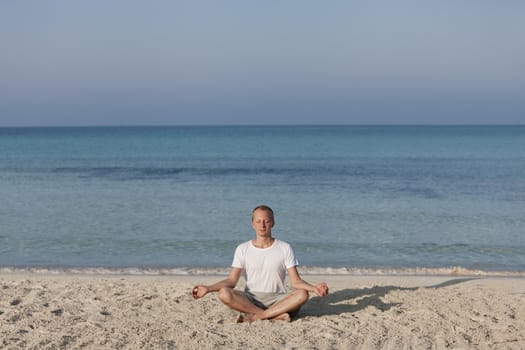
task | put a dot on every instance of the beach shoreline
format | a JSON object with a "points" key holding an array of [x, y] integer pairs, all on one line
{"points": [[224, 270], [103, 311]]}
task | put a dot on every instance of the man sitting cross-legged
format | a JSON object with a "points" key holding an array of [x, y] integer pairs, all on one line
{"points": [[265, 261]]}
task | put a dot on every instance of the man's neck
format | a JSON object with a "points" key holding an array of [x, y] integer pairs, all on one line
{"points": [[263, 242]]}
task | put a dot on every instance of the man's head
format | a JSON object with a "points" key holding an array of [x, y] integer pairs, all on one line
{"points": [[263, 220]]}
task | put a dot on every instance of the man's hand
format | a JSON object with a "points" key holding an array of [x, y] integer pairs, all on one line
{"points": [[199, 291], [321, 289]]}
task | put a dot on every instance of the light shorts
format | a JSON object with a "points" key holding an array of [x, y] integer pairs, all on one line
{"points": [[264, 300]]}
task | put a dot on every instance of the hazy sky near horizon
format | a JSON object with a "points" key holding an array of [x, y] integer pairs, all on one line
{"points": [[128, 62]]}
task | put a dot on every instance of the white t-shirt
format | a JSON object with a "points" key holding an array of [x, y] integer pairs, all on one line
{"points": [[265, 268]]}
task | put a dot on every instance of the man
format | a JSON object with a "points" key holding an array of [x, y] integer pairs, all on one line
{"points": [[265, 261]]}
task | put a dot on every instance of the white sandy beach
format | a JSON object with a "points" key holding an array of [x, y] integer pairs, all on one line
{"points": [[44, 311]]}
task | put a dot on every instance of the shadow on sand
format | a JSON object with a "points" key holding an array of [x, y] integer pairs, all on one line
{"points": [[339, 302]]}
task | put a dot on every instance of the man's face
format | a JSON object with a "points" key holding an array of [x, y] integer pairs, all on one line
{"points": [[262, 222]]}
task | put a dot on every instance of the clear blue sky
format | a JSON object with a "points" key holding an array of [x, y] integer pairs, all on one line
{"points": [[127, 62]]}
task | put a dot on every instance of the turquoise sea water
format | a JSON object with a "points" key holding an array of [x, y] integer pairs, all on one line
{"points": [[400, 198]]}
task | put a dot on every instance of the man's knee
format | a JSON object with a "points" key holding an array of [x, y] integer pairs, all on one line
{"points": [[225, 295], [301, 295]]}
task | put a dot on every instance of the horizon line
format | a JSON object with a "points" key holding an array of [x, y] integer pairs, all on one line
{"points": [[260, 125]]}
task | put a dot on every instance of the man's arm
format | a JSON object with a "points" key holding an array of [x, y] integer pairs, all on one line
{"points": [[321, 289], [231, 281]]}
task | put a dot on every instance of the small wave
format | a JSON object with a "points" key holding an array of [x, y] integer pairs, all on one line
{"points": [[153, 173], [119, 172], [306, 270], [135, 173], [415, 271]]}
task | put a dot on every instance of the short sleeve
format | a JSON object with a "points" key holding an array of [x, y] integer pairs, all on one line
{"points": [[239, 257], [290, 259]]}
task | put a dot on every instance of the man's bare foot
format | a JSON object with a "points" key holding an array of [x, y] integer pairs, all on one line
{"points": [[282, 317], [250, 318], [242, 317]]}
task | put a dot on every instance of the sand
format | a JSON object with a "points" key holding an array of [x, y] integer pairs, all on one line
{"points": [[362, 312]]}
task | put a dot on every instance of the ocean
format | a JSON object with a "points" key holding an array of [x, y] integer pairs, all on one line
{"points": [[349, 199]]}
